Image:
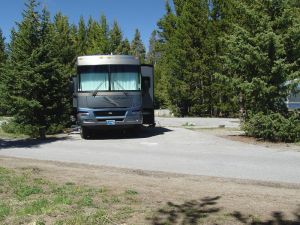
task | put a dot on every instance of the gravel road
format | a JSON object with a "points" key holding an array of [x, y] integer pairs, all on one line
{"points": [[168, 149]]}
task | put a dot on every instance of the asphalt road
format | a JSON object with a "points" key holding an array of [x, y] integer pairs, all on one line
{"points": [[170, 149]]}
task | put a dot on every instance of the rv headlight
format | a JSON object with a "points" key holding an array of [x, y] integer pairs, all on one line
{"points": [[83, 113]]}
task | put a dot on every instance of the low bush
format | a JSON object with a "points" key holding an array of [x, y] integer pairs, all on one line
{"points": [[273, 127], [12, 127]]}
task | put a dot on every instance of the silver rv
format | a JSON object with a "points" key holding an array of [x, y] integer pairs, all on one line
{"points": [[112, 91]]}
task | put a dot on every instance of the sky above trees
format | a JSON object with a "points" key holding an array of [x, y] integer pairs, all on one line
{"points": [[130, 14]]}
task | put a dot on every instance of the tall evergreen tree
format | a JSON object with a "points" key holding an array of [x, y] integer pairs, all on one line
{"points": [[34, 79], [3, 57], [256, 57], [3, 54], [125, 50], [65, 40], [115, 39], [93, 31], [153, 54], [166, 29], [55, 65], [104, 28], [97, 42], [187, 55], [81, 40], [24, 41], [137, 47], [167, 24], [222, 100]]}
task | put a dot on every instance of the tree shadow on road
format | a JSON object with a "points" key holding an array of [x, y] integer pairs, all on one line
{"points": [[189, 212], [27, 143], [144, 132], [278, 218]]}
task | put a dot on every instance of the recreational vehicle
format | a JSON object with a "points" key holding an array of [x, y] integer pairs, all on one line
{"points": [[112, 91]]}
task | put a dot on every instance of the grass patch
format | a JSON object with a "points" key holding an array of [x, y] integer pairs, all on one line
{"points": [[24, 196], [25, 191], [9, 133], [36, 207], [4, 211], [6, 135], [131, 192]]}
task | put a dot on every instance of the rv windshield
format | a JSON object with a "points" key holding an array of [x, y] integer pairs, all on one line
{"points": [[109, 78], [125, 78], [94, 78]]}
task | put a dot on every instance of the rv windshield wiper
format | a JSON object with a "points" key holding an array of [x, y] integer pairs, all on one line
{"points": [[95, 92], [124, 91]]}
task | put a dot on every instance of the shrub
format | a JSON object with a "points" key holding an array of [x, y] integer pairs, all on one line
{"points": [[13, 127], [273, 127]]}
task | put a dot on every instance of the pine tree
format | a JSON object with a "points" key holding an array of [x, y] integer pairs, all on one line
{"points": [[222, 100], [36, 84], [256, 57], [65, 40], [23, 82], [55, 70], [153, 54], [186, 55], [104, 28], [97, 42], [166, 30], [26, 40], [125, 50], [115, 39], [167, 25], [3, 55], [3, 58], [93, 31], [137, 47], [81, 40]]}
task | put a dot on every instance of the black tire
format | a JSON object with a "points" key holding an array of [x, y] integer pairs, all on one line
{"points": [[85, 133]]}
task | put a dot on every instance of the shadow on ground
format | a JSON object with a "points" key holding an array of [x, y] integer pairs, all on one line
{"points": [[144, 132], [27, 143], [199, 212], [278, 218], [189, 212]]}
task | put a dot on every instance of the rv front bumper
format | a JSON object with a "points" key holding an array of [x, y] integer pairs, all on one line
{"points": [[110, 117]]}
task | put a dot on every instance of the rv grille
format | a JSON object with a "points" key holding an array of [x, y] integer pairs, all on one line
{"points": [[110, 113]]}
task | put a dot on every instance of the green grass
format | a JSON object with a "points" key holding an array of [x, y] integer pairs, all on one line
{"points": [[26, 198], [4, 210], [131, 192], [6, 135], [36, 207]]}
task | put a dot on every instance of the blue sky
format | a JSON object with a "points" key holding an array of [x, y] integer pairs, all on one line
{"points": [[130, 14]]}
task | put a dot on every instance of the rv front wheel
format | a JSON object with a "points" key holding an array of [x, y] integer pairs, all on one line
{"points": [[85, 133]]}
